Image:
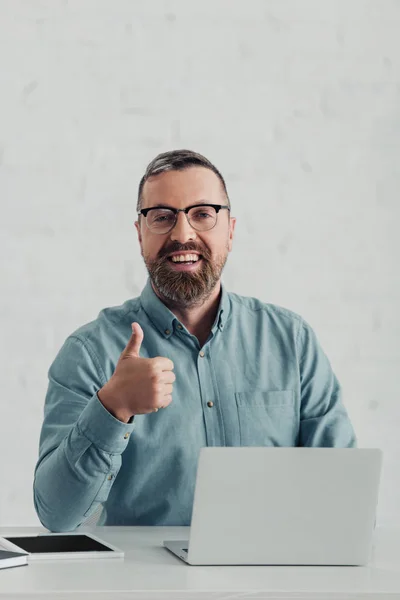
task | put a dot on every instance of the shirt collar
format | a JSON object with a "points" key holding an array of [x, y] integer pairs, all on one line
{"points": [[165, 320]]}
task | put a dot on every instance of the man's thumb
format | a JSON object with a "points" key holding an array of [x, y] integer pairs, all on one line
{"points": [[135, 341]]}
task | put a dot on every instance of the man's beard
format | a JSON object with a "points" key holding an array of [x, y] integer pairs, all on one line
{"points": [[185, 288]]}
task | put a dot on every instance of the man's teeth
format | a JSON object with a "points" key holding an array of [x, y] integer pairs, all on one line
{"points": [[185, 258]]}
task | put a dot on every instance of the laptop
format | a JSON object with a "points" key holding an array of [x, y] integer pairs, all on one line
{"points": [[282, 506]]}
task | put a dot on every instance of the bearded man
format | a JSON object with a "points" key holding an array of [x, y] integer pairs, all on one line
{"points": [[135, 394]]}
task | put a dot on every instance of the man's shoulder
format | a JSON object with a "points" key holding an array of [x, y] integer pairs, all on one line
{"points": [[251, 304], [109, 319]]}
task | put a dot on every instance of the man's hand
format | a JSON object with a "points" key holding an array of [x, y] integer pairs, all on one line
{"points": [[138, 385]]}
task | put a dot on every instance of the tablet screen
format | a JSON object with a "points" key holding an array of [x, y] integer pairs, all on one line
{"points": [[58, 543]]}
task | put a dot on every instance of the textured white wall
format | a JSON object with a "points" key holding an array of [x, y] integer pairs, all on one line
{"points": [[297, 102]]}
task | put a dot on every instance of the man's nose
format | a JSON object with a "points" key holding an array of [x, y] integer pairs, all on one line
{"points": [[182, 231]]}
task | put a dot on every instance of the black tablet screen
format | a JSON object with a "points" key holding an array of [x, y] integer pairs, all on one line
{"points": [[58, 543]]}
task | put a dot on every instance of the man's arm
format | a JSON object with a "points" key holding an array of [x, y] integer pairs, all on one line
{"points": [[324, 421], [80, 443]]}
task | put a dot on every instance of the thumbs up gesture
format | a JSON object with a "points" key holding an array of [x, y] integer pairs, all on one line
{"points": [[138, 385]]}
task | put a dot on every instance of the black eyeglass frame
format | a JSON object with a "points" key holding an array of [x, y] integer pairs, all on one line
{"points": [[217, 208]]}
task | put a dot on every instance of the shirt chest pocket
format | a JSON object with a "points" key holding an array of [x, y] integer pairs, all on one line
{"points": [[267, 418]]}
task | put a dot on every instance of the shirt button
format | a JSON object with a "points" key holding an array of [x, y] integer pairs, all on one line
{"points": [[210, 404], [111, 476], [180, 327], [167, 331], [201, 354], [126, 436]]}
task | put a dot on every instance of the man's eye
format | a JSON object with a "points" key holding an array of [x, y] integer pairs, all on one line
{"points": [[161, 218]]}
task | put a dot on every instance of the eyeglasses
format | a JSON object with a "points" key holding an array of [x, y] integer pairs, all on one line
{"points": [[201, 217]]}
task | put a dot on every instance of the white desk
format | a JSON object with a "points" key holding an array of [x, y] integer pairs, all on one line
{"points": [[150, 571]]}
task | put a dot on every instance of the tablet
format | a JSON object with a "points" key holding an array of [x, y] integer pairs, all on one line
{"points": [[61, 545]]}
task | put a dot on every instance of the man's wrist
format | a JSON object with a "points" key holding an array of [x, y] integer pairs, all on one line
{"points": [[110, 405]]}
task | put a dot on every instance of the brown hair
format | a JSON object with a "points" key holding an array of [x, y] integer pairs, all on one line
{"points": [[176, 160]]}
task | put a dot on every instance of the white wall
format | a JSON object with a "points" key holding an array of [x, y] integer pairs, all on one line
{"points": [[297, 102]]}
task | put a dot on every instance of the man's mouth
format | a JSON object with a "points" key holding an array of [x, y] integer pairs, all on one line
{"points": [[185, 262], [186, 257]]}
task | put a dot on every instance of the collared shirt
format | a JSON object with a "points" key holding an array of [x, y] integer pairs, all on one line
{"points": [[261, 379]]}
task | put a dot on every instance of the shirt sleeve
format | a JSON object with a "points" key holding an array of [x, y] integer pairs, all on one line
{"points": [[324, 421], [81, 443]]}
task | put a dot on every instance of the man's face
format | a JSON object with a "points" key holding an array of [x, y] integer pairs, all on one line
{"points": [[180, 189]]}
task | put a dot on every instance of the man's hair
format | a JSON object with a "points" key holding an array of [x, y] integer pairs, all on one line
{"points": [[176, 160]]}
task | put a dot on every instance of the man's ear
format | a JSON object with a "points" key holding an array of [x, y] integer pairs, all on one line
{"points": [[137, 225], [232, 223]]}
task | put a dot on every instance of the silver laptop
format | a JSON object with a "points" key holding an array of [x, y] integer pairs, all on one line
{"points": [[282, 506]]}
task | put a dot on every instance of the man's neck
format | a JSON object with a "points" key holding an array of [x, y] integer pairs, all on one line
{"points": [[199, 318]]}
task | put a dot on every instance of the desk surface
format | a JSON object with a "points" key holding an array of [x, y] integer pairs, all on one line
{"points": [[150, 571]]}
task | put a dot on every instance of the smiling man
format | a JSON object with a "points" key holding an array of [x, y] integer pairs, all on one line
{"points": [[135, 394], [185, 252]]}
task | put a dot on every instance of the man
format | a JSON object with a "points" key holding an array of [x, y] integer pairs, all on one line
{"points": [[135, 394]]}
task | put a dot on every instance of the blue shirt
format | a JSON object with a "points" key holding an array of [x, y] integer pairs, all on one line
{"points": [[261, 379]]}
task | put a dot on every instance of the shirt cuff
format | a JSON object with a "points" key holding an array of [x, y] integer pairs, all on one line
{"points": [[102, 429]]}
